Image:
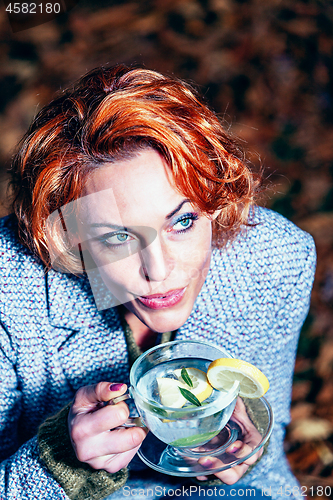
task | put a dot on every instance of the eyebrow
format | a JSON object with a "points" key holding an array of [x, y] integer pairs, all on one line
{"points": [[123, 228], [171, 214]]}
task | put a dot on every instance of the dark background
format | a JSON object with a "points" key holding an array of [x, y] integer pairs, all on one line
{"points": [[266, 67]]}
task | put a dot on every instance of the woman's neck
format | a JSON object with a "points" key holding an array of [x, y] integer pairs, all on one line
{"points": [[143, 336]]}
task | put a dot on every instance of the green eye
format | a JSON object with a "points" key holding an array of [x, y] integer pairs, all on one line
{"points": [[184, 223], [116, 240], [122, 237]]}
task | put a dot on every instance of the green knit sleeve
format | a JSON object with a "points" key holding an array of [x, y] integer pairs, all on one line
{"points": [[79, 480]]}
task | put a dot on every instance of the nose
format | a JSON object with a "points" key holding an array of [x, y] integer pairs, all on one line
{"points": [[155, 261]]}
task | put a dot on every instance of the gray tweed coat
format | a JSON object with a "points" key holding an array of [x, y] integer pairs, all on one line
{"points": [[53, 340]]}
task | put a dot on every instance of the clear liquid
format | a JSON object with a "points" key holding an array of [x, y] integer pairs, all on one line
{"points": [[188, 426], [147, 385]]}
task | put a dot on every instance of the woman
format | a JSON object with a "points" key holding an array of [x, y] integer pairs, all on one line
{"points": [[134, 224]]}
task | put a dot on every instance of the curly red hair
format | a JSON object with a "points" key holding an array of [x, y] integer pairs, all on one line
{"points": [[107, 115]]}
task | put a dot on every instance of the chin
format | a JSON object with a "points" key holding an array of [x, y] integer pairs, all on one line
{"points": [[166, 320]]}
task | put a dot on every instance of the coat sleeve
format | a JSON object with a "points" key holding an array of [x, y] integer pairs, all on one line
{"points": [[44, 467], [21, 473], [272, 473]]}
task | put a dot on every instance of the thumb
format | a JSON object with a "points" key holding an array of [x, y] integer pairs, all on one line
{"points": [[91, 397]]}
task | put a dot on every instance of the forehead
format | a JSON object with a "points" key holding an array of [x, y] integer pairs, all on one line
{"points": [[133, 188]]}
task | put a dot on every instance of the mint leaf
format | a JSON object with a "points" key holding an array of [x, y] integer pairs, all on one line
{"points": [[185, 376], [190, 397]]}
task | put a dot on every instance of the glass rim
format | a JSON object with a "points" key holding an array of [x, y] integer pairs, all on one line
{"points": [[233, 392]]}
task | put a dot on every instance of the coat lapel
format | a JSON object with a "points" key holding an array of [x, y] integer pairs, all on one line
{"points": [[70, 301], [94, 347]]}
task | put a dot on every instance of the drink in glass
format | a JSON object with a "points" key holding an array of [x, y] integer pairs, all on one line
{"points": [[189, 426]]}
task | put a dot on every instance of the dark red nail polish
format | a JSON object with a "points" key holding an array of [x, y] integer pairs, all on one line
{"points": [[233, 449], [116, 387], [207, 463]]}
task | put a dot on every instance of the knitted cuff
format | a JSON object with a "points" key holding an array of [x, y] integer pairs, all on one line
{"points": [[79, 480]]}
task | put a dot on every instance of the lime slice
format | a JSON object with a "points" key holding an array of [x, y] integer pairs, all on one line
{"points": [[169, 392], [223, 372], [201, 388]]}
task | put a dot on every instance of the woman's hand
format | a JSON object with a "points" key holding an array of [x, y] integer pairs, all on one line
{"points": [[250, 440], [93, 428]]}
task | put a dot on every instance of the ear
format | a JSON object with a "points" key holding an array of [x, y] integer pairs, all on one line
{"points": [[215, 214]]}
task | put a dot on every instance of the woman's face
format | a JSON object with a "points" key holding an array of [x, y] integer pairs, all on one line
{"points": [[151, 245]]}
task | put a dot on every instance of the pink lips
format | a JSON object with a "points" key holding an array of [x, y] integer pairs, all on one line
{"points": [[161, 301]]}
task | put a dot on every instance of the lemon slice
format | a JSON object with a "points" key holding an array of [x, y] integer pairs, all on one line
{"points": [[169, 392], [223, 372], [201, 388]]}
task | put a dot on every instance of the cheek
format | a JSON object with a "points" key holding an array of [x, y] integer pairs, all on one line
{"points": [[194, 258], [117, 270], [197, 264], [122, 272], [199, 257], [198, 248]]}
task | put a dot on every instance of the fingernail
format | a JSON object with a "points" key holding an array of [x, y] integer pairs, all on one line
{"points": [[116, 387], [207, 463], [233, 449]]}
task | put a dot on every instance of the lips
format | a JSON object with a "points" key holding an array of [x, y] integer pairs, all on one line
{"points": [[163, 300]]}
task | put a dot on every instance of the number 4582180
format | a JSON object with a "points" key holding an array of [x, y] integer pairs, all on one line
{"points": [[33, 8], [304, 490]]}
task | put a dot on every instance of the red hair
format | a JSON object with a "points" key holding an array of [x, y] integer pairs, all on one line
{"points": [[107, 115]]}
